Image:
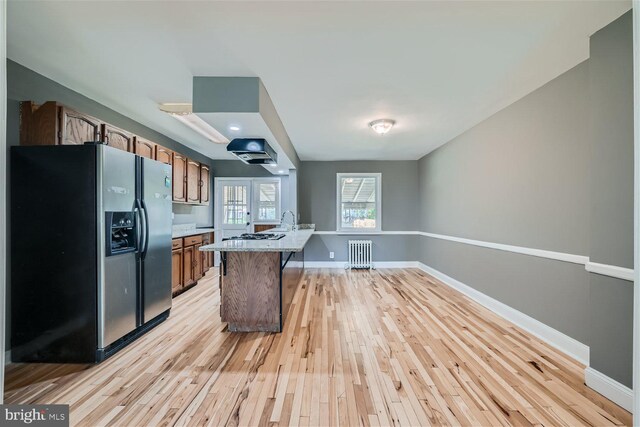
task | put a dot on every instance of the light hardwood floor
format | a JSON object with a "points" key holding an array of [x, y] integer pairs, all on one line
{"points": [[387, 347]]}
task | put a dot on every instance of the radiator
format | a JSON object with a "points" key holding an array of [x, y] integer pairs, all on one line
{"points": [[360, 254]]}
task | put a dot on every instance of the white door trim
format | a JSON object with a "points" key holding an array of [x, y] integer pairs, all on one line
{"points": [[219, 182], [3, 184], [636, 205]]}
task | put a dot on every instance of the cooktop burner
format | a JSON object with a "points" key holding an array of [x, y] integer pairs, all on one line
{"points": [[256, 236]]}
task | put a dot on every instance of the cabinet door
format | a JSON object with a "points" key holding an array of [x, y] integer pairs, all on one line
{"points": [[179, 178], [204, 184], [164, 155], [77, 128], [193, 181], [197, 263], [117, 138], [206, 239], [145, 148], [176, 270], [188, 277]]}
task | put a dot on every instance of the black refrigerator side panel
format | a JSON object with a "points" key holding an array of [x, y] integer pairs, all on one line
{"points": [[53, 254]]}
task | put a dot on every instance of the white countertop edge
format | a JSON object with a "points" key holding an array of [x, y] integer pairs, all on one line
{"points": [[294, 241]]}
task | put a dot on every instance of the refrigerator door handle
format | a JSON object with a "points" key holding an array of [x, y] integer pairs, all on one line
{"points": [[141, 230], [146, 230]]}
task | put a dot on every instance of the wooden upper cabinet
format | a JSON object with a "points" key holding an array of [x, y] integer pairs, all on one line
{"points": [[193, 181], [164, 155], [77, 128], [205, 178], [144, 148], [39, 124], [117, 138], [179, 178]]}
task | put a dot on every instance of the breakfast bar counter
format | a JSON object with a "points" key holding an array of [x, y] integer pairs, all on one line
{"points": [[258, 279]]}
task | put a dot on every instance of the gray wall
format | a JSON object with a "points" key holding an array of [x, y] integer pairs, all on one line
{"points": [[317, 204], [611, 171], [552, 171], [520, 177], [317, 198]]}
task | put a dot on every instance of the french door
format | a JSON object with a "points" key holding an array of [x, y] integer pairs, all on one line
{"points": [[234, 207]]}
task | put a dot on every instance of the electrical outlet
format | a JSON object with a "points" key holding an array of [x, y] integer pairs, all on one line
{"points": [[332, 255]]}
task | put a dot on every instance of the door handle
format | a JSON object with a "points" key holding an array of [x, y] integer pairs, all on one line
{"points": [[146, 229], [139, 228]]}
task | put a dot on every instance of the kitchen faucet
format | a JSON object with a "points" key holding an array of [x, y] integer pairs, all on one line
{"points": [[293, 216]]}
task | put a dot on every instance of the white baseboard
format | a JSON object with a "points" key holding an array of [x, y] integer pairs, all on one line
{"points": [[611, 389], [396, 264], [343, 264], [557, 339], [325, 264]]}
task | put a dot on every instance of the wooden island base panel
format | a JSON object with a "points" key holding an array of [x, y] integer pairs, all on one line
{"points": [[256, 291], [380, 348]]}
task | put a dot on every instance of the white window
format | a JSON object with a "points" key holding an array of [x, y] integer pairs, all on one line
{"points": [[266, 207], [359, 207]]}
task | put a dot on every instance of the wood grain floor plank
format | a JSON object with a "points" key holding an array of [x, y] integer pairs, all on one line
{"points": [[379, 348]]}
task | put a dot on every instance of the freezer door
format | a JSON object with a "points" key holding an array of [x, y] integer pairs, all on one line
{"points": [[119, 298], [117, 275], [156, 255]]}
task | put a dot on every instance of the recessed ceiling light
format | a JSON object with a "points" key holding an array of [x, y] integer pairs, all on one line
{"points": [[280, 171], [234, 128], [273, 165], [382, 126], [183, 113]]}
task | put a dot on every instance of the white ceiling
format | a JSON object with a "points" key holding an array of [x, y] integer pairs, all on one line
{"points": [[437, 68]]}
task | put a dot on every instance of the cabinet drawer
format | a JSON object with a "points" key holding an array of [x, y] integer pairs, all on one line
{"points": [[192, 240], [176, 243]]}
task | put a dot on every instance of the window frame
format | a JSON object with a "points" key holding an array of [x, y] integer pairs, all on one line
{"points": [[256, 199], [378, 227]]}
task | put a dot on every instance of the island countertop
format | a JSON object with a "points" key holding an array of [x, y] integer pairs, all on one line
{"points": [[293, 241]]}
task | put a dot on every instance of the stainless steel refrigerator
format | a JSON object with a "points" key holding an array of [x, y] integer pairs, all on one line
{"points": [[90, 251]]}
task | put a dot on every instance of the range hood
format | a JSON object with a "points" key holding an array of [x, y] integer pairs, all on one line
{"points": [[253, 151]]}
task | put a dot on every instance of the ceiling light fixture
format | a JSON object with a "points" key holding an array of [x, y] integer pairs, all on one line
{"points": [[382, 126], [183, 113], [234, 128]]}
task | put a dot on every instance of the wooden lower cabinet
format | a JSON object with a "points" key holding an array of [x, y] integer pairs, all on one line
{"points": [[197, 263], [176, 271], [188, 276], [263, 227], [189, 263]]}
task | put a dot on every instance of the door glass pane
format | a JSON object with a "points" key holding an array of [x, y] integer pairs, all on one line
{"points": [[267, 200], [358, 202], [234, 204]]}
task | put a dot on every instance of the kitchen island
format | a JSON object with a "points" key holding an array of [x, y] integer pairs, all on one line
{"points": [[258, 279]]}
